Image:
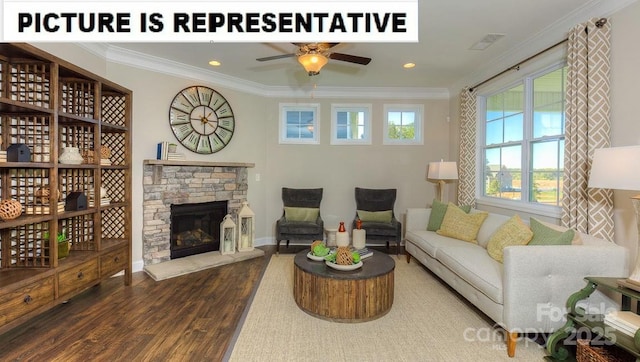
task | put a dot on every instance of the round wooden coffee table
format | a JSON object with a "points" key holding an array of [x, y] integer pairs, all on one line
{"points": [[360, 295]]}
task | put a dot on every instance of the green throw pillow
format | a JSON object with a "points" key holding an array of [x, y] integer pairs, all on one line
{"points": [[376, 216], [307, 214], [438, 209], [512, 232], [544, 235]]}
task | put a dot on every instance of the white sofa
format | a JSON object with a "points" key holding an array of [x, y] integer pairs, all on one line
{"points": [[527, 293]]}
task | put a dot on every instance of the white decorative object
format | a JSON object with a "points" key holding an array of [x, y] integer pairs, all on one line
{"points": [[246, 228], [227, 235], [342, 238], [103, 192], [344, 267], [70, 156], [617, 168], [359, 238], [331, 236]]}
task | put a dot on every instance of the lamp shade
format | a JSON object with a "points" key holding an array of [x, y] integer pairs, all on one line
{"points": [[312, 62], [616, 168], [442, 171]]}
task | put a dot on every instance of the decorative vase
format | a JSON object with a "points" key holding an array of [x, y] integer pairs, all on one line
{"points": [[359, 236], [63, 249], [342, 237], [70, 156]]}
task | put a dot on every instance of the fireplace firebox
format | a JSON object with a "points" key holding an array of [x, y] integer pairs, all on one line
{"points": [[195, 228]]}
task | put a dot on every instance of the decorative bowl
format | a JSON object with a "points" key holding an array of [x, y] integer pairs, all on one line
{"points": [[343, 267]]}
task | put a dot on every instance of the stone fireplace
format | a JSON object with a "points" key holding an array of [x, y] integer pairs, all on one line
{"points": [[176, 183]]}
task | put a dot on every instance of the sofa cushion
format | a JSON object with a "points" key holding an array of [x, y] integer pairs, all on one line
{"points": [[384, 217], [513, 232], [438, 209], [544, 235], [489, 226], [299, 227], [430, 242], [472, 263], [460, 225], [577, 237], [308, 214]]}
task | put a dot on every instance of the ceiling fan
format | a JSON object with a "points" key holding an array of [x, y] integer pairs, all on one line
{"points": [[313, 56]]}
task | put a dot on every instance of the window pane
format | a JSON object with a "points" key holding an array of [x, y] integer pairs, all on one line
{"points": [[546, 175], [299, 124], [513, 101], [401, 125], [350, 125], [548, 104], [503, 172], [494, 132], [513, 128]]}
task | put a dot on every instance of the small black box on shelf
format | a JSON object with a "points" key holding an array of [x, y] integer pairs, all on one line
{"points": [[18, 152], [76, 201]]}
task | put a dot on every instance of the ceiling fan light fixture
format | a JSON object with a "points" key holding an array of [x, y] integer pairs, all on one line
{"points": [[313, 62]]}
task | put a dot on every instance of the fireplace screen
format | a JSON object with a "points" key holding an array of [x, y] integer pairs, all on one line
{"points": [[195, 228]]}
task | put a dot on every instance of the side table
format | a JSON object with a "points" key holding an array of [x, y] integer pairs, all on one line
{"points": [[594, 324]]}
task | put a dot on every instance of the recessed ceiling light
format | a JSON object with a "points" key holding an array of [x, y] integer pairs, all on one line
{"points": [[408, 65], [214, 63]]}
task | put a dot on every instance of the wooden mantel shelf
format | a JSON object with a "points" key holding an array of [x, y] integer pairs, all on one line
{"points": [[197, 163]]}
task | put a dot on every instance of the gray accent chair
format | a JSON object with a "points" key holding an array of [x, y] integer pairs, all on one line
{"points": [[379, 200], [299, 230]]}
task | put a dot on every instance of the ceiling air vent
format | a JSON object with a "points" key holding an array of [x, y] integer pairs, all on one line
{"points": [[486, 41]]}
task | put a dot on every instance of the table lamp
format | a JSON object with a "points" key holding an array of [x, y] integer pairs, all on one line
{"points": [[618, 168], [442, 172]]}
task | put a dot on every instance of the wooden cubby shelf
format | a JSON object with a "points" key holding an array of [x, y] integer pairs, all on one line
{"points": [[47, 104]]}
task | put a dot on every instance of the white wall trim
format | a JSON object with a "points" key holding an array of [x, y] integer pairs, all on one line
{"points": [[135, 59]]}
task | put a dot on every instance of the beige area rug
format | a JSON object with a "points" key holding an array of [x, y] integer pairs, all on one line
{"points": [[427, 322], [194, 263]]}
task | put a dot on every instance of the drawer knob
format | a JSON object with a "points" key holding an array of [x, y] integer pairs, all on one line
{"points": [[80, 275], [27, 299], [116, 259]]}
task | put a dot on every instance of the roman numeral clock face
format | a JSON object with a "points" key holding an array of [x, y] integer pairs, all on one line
{"points": [[201, 119]]}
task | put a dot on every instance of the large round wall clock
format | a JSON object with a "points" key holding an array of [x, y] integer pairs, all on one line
{"points": [[201, 119]]}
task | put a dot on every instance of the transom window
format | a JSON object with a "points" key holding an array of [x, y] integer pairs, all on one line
{"points": [[350, 124], [523, 146], [299, 123], [403, 124]]}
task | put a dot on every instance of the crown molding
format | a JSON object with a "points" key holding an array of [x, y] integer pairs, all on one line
{"points": [[541, 40], [140, 60]]}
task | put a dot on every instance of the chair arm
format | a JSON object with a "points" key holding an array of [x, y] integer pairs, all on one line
{"points": [[537, 280], [417, 219]]}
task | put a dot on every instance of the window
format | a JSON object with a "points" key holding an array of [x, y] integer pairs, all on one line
{"points": [[523, 146], [350, 124], [403, 124], [299, 123]]}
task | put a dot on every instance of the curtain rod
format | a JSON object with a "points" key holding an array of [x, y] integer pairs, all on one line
{"points": [[600, 23]]}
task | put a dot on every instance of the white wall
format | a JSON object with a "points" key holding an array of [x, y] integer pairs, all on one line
{"points": [[625, 116], [337, 169]]}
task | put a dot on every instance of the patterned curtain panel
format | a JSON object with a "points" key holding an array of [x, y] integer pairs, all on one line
{"points": [[467, 164], [587, 128]]}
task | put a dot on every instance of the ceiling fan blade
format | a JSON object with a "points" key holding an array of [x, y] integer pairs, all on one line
{"points": [[350, 58], [273, 57]]}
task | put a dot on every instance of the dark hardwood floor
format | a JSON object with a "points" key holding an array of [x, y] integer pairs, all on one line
{"points": [[188, 318]]}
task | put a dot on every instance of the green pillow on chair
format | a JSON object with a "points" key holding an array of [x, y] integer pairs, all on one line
{"points": [[306, 214], [376, 216]]}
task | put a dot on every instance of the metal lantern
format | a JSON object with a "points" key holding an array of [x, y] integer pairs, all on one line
{"points": [[246, 228], [227, 235]]}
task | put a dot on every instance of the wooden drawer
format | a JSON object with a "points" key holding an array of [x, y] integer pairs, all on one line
{"points": [[113, 262], [78, 277], [26, 299]]}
